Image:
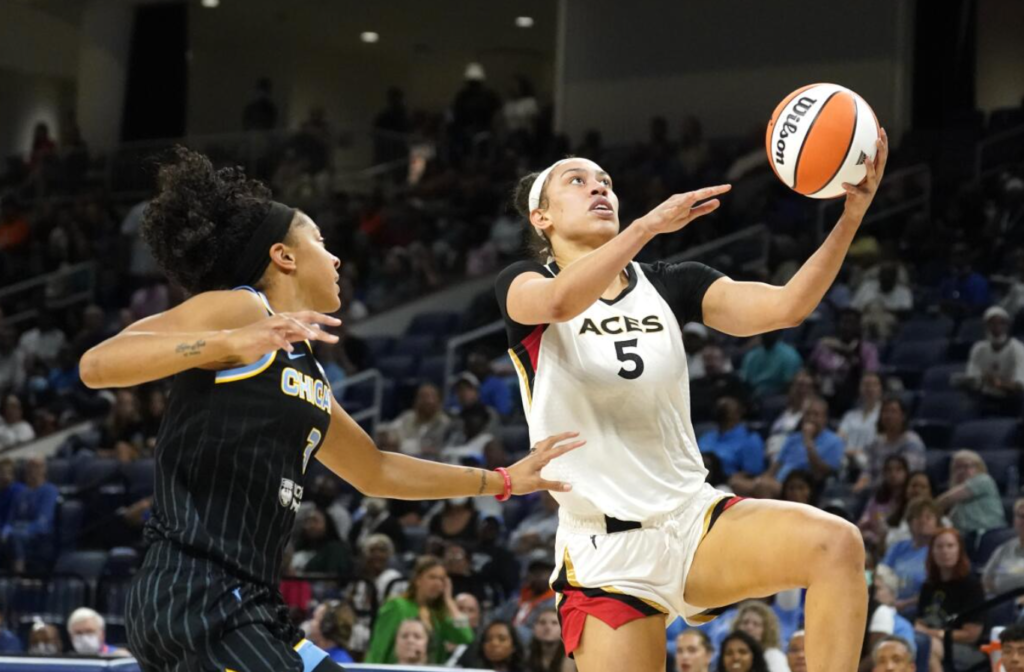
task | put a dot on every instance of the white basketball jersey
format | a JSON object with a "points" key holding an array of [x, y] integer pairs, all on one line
{"points": [[617, 374]]}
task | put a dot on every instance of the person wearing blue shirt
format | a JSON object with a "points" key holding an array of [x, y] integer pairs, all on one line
{"points": [[815, 448], [771, 366], [908, 558], [738, 449], [30, 530], [494, 392], [9, 490]]}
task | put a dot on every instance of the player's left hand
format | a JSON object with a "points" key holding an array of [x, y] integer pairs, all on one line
{"points": [[525, 473], [859, 197]]}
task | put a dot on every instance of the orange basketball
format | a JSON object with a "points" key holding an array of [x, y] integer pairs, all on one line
{"points": [[819, 137]]}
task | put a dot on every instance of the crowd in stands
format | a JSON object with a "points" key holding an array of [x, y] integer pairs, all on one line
{"points": [[896, 405]]}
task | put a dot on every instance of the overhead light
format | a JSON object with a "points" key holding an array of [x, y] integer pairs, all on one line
{"points": [[210, 4], [524, 21], [369, 37]]}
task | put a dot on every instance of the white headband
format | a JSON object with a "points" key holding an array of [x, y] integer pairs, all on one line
{"points": [[538, 185]]}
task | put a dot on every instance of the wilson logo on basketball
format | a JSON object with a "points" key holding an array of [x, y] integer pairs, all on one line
{"points": [[802, 107]]}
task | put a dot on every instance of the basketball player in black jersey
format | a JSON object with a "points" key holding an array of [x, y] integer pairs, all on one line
{"points": [[249, 408]]}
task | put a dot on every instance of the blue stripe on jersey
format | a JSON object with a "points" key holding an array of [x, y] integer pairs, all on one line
{"points": [[242, 372], [311, 655]]}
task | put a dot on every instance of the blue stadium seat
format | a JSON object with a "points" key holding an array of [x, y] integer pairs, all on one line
{"points": [[397, 367], [437, 324], [141, 475], [937, 378], [432, 370], [818, 330], [936, 464], [971, 330], [515, 438], [69, 523], [925, 329], [86, 564], [122, 561], [772, 407], [58, 471], [415, 346], [999, 462], [96, 472], [986, 434], [918, 355], [987, 545], [950, 407], [380, 346]]}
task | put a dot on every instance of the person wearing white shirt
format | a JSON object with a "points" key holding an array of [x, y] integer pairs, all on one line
{"points": [[995, 368], [859, 425], [1005, 569], [14, 430]]}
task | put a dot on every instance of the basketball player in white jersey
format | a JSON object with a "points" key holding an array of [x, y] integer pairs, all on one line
{"points": [[597, 341]]}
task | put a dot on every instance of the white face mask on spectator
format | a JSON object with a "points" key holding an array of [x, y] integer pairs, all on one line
{"points": [[86, 643], [44, 649]]}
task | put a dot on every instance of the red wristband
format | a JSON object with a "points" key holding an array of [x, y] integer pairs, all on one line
{"points": [[507, 494]]}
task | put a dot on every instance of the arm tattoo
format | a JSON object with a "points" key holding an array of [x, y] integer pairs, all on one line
{"points": [[190, 349], [483, 482]]}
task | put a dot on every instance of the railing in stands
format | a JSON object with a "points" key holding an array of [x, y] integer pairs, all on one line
{"points": [[60, 289], [912, 177], [751, 232], [372, 412], [1007, 147], [956, 621]]}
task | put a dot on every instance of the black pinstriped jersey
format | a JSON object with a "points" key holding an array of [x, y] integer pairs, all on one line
{"points": [[231, 458]]}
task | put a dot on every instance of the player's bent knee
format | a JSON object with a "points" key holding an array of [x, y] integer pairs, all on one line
{"points": [[838, 546]]}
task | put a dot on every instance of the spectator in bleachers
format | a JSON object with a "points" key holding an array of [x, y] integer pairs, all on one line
{"points": [[886, 500], [466, 392], [892, 438], [799, 487], [695, 339], [537, 530], [498, 565], [389, 126], [535, 596], [29, 535], [815, 448], [951, 589], [318, 547], [44, 640], [42, 342], [473, 109], [919, 486], [260, 113], [841, 360], [460, 572], [859, 425], [501, 648], [325, 494], [421, 429], [795, 652], [759, 621], [694, 651], [429, 599], [467, 443], [121, 431], [908, 558], [152, 416], [331, 628], [801, 389], [13, 371], [973, 498], [1011, 642], [470, 608], [883, 298], [1005, 569], [494, 393], [884, 620], [962, 290], [454, 520], [411, 643], [14, 429], [769, 368], [741, 653], [9, 642], [87, 631], [545, 652], [10, 487], [14, 227], [995, 368], [739, 450], [893, 654], [374, 516], [719, 380], [376, 553]]}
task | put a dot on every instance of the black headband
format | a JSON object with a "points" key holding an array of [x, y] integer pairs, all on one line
{"points": [[254, 259]]}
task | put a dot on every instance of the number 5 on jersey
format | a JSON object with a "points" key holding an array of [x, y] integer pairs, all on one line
{"points": [[630, 357], [312, 441]]}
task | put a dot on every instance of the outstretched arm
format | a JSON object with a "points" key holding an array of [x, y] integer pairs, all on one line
{"points": [[352, 455], [749, 308]]}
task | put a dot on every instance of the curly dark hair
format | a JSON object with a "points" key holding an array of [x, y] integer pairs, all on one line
{"points": [[759, 664], [515, 661], [201, 219]]}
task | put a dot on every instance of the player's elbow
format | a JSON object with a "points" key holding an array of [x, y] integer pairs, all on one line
{"points": [[89, 371]]}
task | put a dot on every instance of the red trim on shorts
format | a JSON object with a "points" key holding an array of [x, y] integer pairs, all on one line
{"points": [[576, 606]]}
